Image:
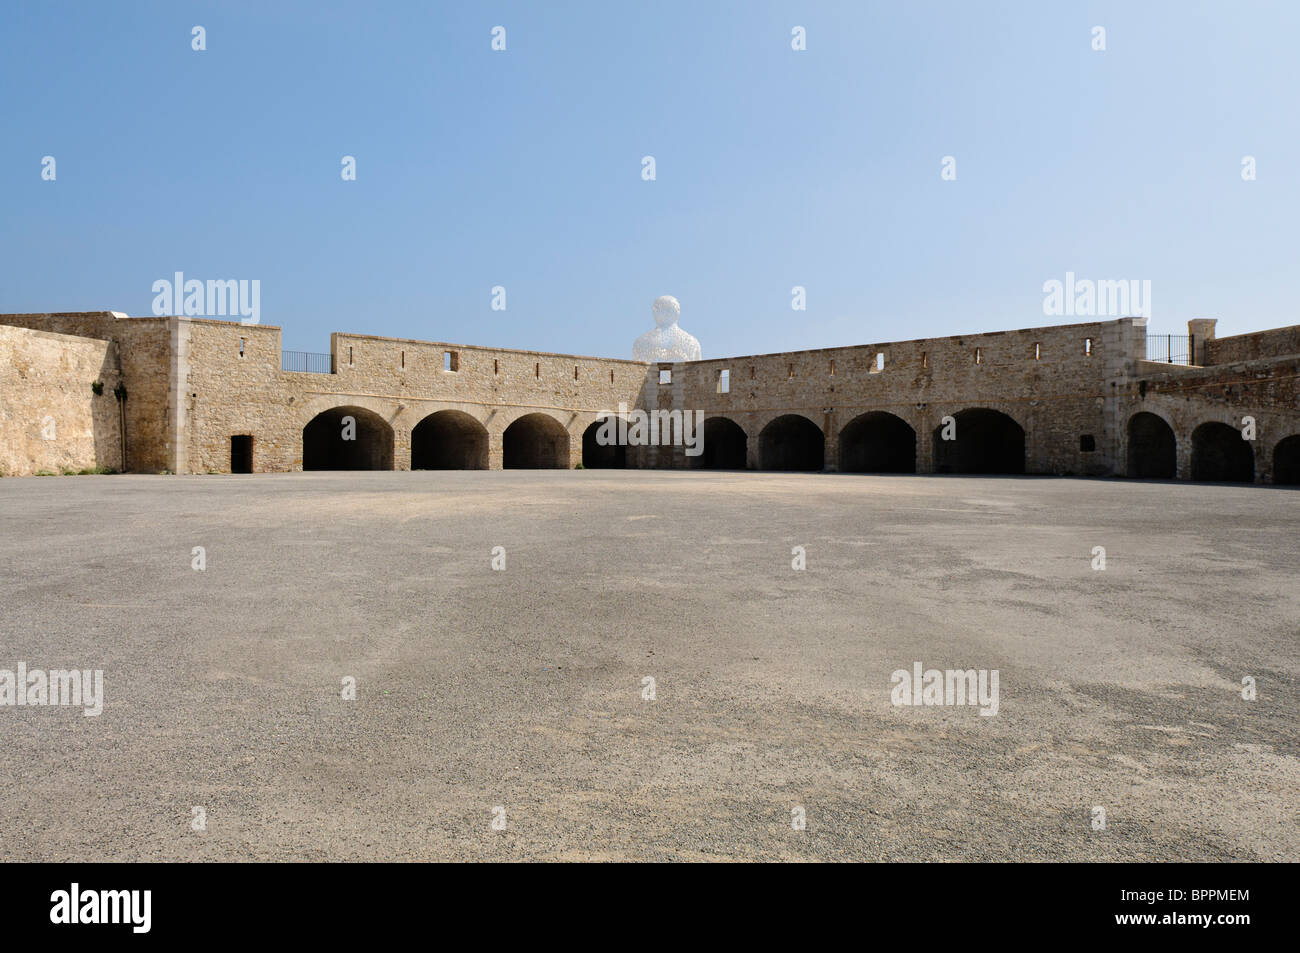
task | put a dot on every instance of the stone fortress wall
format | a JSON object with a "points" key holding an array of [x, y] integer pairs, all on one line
{"points": [[210, 396]]}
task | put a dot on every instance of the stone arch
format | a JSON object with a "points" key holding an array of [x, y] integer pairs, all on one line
{"points": [[1152, 447], [877, 442], [726, 445], [791, 442], [1219, 455], [449, 440], [598, 456], [535, 442], [330, 442], [1286, 461], [986, 441]]}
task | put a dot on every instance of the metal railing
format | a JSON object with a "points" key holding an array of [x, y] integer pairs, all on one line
{"points": [[305, 362], [1170, 348]]}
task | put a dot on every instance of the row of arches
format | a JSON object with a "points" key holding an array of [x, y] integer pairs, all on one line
{"points": [[353, 438], [1219, 454], [985, 442]]}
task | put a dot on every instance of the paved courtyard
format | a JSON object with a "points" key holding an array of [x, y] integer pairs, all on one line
{"points": [[522, 689]]}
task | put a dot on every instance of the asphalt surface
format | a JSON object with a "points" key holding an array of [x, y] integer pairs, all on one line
{"points": [[523, 689]]}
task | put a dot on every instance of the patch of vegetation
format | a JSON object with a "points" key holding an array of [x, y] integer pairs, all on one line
{"points": [[45, 473], [97, 388]]}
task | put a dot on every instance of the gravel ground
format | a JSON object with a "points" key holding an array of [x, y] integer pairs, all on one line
{"points": [[523, 689]]}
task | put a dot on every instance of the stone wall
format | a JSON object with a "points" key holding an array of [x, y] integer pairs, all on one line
{"points": [[1279, 342], [144, 352], [50, 418]]}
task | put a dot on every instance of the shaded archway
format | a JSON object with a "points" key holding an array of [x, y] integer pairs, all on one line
{"points": [[1219, 455], [449, 440], [535, 442], [1152, 448], [1286, 462], [791, 442], [725, 445], [877, 442], [347, 438], [984, 441], [606, 456]]}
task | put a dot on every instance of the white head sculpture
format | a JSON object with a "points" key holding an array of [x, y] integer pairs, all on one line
{"points": [[667, 342]]}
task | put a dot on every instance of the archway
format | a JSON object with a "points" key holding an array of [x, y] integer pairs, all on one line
{"points": [[598, 456], [1219, 455], [877, 442], [449, 440], [535, 442], [1152, 448], [985, 441], [726, 446], [347, 438], [791, 442], [1286, 462]]}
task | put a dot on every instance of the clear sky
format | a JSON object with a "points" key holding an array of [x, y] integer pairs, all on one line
{"points": [[775, 168]]}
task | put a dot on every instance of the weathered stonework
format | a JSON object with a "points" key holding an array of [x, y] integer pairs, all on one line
{"points": [[1052, 400]]}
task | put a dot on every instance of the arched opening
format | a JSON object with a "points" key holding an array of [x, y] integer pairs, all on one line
{"points": [[535, 442], [347, 438], [1286, 462], [983, 441], [877, 443], [1219, 455], [449, 440], [725, 446], [791, 442], [603, 456], [1152, 448]]}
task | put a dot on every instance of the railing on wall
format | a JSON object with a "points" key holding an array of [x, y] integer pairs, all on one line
{"points": [[305, 362], [1170, 348]]}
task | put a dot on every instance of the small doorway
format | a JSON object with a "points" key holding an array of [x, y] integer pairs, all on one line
{"points": [[241, 453]]}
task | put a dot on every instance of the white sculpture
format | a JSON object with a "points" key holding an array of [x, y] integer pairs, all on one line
{"points": [[667, 342]]}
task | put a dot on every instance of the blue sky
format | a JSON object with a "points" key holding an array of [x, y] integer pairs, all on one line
{"points": [[775, 168]]}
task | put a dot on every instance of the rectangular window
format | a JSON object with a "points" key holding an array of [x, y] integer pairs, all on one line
{"points": [[979, 355], [790, 373], [1087, 347], [1087, 443], [878, 364], [832, 368], [496, 366], [241, 347], [753, 372], [665, 376], [724, 381], [537, 370], [403, 359], [450, 361], [611, 375], [1038, 352], [575, 372], [925, 360], [350, 355]]}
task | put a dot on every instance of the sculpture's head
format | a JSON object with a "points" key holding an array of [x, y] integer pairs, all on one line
{"points": [[666, 311]]}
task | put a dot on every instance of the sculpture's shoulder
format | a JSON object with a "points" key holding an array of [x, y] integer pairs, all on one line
{"points": [[687, 346]]}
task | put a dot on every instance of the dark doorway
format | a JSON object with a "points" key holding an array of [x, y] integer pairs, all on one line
{"points": [[449, 440], [1219, 455], [535, 442], [877, 442], [792, 442], [1286, 462], [1152, 449], [347, 438], [986, 441], [725, 446], [241, 453], [598, 456]]}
